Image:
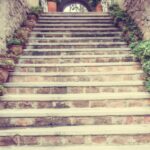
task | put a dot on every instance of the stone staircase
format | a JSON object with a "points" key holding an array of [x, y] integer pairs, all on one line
{"points": [[77, 86]]}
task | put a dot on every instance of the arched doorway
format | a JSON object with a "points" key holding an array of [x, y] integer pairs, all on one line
{"points": [[74, 6]]}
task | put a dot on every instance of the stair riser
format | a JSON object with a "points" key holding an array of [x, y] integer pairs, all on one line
{"points": [[101, 52], [73, 30], [76, 60], [72, 90], [76, 19], [74, 140], [51, 26], [79, 34], [71, 121], [73, 104], [75, 40], [77, 46], [75, 22], [30, 78], [78, 69]]}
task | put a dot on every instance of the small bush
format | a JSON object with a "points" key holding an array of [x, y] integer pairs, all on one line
{"points": [[14, 41]]}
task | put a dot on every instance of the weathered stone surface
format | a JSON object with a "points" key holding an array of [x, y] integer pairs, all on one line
{"points": [[140, 12], [12, 14]]}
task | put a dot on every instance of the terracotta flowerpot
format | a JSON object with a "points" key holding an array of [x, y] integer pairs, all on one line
{"points": [[52, 6], [23, 34], [3, 75], [16, 49], [99, 8], [30, 24]]}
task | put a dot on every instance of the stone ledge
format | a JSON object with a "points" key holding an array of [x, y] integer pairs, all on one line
{"points": [[75, 112], [76, 97], [80, 130]]}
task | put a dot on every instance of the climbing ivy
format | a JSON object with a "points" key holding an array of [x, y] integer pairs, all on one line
{"points": [[133, 36]]}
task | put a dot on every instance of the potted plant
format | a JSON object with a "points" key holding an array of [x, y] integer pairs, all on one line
{"points": [[9, 57], [98, 7], [5, 66], [23, 34], [15, 46], [29, 24], [52, 5], [34, 13], [1, 90]]}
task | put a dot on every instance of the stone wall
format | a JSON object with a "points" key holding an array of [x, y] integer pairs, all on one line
{"points": [[12, 14], [139, 10]]}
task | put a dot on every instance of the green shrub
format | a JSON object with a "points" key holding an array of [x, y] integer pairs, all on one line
{"points": [[142, 49], [14, 41], [36, 10], [133, 36], [146, 66], [148, 85]]}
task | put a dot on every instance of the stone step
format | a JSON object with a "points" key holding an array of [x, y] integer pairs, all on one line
{"points": [[86, 130], [79, 67], [85, 147], [76, 76], [76, 39], [76, 97], [77, 51], [75, 18], [93, 100], [85, 14], [75, 21], [76, 59], [71, 25], [78, 29], [73, 87], [75, 34], [73, 84], [77, 45], [73, 116], [74, 112]]}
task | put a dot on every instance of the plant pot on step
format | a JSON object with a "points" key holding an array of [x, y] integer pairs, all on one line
{"points": [[52, 6], [5, 67], [99, 8], [15, 46], [23, 34], [29, 24], [34, 13]]}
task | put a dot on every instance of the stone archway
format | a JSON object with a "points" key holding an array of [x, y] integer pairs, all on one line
{"points": [[66, 3]]}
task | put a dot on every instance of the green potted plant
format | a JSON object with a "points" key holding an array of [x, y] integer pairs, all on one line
{"points": [[15, 46], [6, 65], [34, 13], [29, 23], [23, 34]]}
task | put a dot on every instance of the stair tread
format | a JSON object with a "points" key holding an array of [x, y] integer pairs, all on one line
{"points": [[80, 130], [76, 33], [77, 73], [76, 43], [74, 84], [69, 25], [79, 64], [76, 97], [79, 49], [75, 112], [76, 56], [73, 38], [78, 147]]}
